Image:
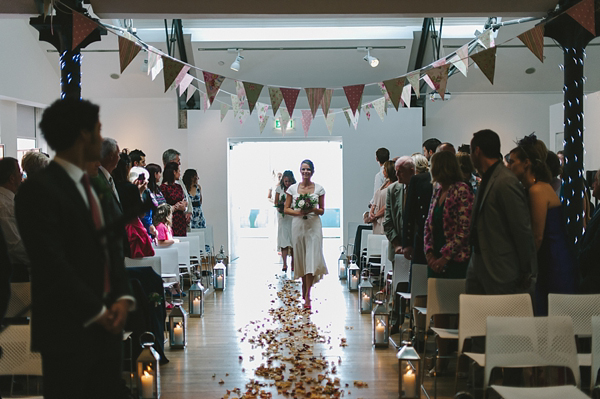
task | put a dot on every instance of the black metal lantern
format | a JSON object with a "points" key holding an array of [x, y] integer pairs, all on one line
{"points": [[353, 275], [219, 277], [177, 327], [196, 299], [365, 294], [148, 369], [410, 372], [380, 322], [343, 264]]}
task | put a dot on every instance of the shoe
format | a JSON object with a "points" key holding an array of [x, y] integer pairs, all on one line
{"points": [[183, 294], [307, 306], [284, 269]]}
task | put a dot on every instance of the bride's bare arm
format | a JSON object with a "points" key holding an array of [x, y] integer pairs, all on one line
{"points": [[321, 209], [287, 210]]}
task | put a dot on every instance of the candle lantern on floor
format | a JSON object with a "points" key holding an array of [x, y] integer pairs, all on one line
{"points": [[177, 327], [353, 275], [219, 276], [196, 300], [343, 264], [220, 257], [148, 369], [380, 321], [410, 372], [365, 294]]}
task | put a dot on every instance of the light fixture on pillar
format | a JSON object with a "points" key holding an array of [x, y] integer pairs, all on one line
{"points": [[373, 61], [235, 65]]}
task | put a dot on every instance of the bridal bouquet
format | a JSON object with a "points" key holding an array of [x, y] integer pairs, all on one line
{"points": [[305, 202], [281, 204]]}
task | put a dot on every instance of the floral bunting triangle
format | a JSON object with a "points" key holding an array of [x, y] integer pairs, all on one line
{"points": [[262, 111], [276, 98], [306, 120], [213, 82], [379, 105], [241, 92], [354, 95], [127, 52], [367, 109], [263, 123], [326, 101], [585, 14], [252, 91], [329, 122], [290, 96], [439, 78], [394, 89], [182, 75], [190, 92], [460, 60], [384, 91], [347, 115], [284, 119], [235, 104], [534, 40], [413, 79], [406, 96], [242, 116], [353, 118], [486, 60], [315, 97], [486, 39], [171, 70], [205, 104], [82, 27], [224, 110], [185, 83]]}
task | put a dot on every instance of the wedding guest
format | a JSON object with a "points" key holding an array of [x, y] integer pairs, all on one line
{"points": [[110, 158], [561, 157], [421, 163], [140, 177], [377, 210], [430, 146], [382, 155], [418, 198], [172, 155], [190, 180], [556, 264], [154, 176], [503, 257], [138, 158], [10, 180], [32, 162], [467, 169], [446, 147], [589, 252], [555, 171], [140, 243], [175, 196], [307, 232], [163, 219], [284, 225]]}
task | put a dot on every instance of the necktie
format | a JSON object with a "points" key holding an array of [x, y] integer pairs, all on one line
{"points": [[114, 189], [97, 218]]}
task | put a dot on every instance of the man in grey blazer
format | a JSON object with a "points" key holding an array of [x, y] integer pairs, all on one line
{"points": [[503, 260]]}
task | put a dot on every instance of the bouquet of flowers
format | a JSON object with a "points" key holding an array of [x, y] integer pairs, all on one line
{"points": [[281, 204], [305, 202]]}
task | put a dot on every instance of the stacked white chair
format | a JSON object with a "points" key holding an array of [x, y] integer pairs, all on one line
{"points": [[169, 265], [148, 261], [17, 358]]}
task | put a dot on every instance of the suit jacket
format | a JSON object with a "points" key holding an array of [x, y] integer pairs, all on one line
{"points": [[418, 198], [67, 260], [392, 219], [589, 257], [503, 227]]}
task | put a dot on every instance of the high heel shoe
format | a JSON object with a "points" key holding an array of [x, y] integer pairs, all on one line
{"points": [[284, 269]]}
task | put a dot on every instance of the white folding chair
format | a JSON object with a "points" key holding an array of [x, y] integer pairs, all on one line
{"points": [[17, 358], [517, 342], [152, 261], [352, 227], [169, 265], [595, 351], [20, 300], [364, 238], [386, 268], [418, 288], [183, 257], [373, 260], [580, 308], [205, 257]]}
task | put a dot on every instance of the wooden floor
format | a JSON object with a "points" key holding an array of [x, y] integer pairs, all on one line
{"points": [[218, 341]]}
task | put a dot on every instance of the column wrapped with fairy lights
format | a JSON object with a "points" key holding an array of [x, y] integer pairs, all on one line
{"points": [[573, 38]]}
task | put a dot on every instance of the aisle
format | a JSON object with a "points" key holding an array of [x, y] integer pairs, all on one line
{"points": [[219, 348]]}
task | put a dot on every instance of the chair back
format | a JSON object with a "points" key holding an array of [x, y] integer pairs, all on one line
{"points": [[402, 268], [169, 261], [595, 350], [580, 308], [530, 342], [194, 242], [183, 253], [352, 227], [20, 298], [17, 358], [418, 284], [386, 263], [442, 297], [200, 233], [148, 261], [474, 310], [364, 238], [374, 245]]}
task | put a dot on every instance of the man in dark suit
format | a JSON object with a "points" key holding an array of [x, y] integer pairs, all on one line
{"points": [[80, 294], [418, 197], [504, 257], [589, 252]]}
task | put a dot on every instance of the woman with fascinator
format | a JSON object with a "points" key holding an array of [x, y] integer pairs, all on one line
{"points": [[556, 264]]}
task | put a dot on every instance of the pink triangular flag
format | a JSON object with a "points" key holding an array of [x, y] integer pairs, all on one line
{"points": [[326, 101], [584, 13], [127, 52], [413, 79], [213, 82], [205, 104], [82, 27], [185, 82], [384, 91], [315, 97], [486, 60], [439, 78], [461, 59], [534, 40], [306, 120], [290, 96], [190, 92], [182, 74], [354, 96]]}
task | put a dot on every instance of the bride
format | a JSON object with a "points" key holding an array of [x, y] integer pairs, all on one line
{"points": [[307, 233]]}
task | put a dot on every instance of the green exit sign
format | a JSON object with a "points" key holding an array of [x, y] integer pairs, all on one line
{"points": [[290, 124]]}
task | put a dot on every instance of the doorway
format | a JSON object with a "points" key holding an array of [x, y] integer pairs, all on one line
{"points": [[253, 165]]}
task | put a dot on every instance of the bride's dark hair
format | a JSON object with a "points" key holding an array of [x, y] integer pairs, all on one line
{"points": [[309, 163], [529, 147]]}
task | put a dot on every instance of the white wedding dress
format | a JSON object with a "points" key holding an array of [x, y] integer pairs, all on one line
{"points": [[284, 225], [307, 239]]}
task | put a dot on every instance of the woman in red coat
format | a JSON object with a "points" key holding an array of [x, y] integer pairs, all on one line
{"points": [[175, 197]]}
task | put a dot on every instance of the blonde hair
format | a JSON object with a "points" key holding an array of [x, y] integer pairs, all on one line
{"points": [[421, 163]]}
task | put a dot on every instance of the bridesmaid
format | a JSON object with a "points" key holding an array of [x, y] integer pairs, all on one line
{"points": [[175, 197], [284, 225]]}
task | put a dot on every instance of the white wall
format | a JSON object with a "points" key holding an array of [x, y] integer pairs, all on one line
{"points": [[512, 116]]}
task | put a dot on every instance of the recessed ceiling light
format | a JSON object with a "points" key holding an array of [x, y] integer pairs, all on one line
{"points": [[530, 71], [115, 75]]}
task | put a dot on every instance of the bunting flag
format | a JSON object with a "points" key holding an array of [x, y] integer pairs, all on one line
{"points": [[384, 91], [439, 63], [306, 120], [182, 74], [486, 39], [461, 59], [347, 116], [155, 64], [315, 97], [242, 116], [290, 96], [406, 96], [252, 91], [213, 82], [326, 101], [276, 98], [205, 104], [263, 123], [171, 70], [353, 117], [413, 79], [262, 112], [534, 40], [585, 14], [82, 27], [486, 60], [354, 96], [380, 106], [235, 104], [284, 119], [127, 52], [367, 111], [185, 83], [439, 78], [190, 92], [224, 110], [394, 89], [329, 122], [241, 92]]}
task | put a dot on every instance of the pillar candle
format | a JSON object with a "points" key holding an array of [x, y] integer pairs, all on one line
{"points": [[409, 384], [196, 306], [379, 333], [147, 385], [178, 335]]}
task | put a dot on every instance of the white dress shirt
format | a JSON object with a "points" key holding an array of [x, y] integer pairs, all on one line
{"points": [[8, 222]]}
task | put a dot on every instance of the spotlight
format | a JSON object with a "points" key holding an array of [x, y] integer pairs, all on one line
{"points": [[373, 61], [236, 64]]}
